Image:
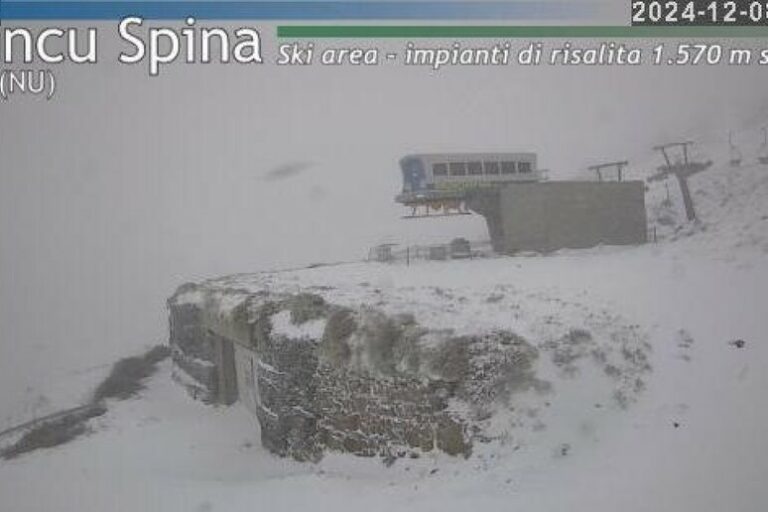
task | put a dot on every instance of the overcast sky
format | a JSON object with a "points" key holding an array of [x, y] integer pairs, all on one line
{"points": [[123, 187]]}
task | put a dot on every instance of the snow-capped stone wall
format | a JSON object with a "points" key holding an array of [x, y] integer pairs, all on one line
{"points": [[324, 377]]}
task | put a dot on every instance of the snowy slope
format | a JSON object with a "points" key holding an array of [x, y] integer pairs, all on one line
{"points": [[734, 207], [731, 205], [167, 452], [694, 438]]}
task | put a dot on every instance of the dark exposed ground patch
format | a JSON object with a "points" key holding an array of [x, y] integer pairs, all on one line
{"points": [[56, 431], [125, 380], [127, 376]]}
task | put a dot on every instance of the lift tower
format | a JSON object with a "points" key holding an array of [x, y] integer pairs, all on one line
{"points": [[682, 169], [618, 165]]}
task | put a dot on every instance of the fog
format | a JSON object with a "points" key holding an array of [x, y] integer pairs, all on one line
{"points": [[123, 186]]}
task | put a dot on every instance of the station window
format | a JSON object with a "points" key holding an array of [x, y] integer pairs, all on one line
{"points": [[475, 168], [507, 167], [524, 167], [440, 169], [491, 167], [458, 168]]}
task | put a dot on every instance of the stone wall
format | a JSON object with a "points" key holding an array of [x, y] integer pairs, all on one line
{"points": [[193, 352], [285, 371], [359, 388], [388, 417]]}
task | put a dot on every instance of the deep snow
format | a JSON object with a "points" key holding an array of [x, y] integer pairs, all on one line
{"points": [[695, 439]]}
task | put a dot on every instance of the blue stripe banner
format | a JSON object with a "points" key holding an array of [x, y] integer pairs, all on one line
{"points": [[295, 10]]}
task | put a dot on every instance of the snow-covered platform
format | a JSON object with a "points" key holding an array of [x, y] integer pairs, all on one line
{"points": [[394, 361]]}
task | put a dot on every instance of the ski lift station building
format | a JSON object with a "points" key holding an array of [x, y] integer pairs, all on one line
{"points": [[523, 211]]}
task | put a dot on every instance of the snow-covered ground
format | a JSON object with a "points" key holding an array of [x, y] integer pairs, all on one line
{"points": [[695, 439]]}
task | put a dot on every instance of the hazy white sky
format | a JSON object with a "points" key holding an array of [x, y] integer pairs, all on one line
{"points": [[123, 187]]}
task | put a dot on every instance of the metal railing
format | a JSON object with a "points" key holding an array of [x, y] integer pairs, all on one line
{"points": [[395, 253]]}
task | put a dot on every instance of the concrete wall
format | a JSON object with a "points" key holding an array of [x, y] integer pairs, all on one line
{"points": [[563, 214], [246, 362]]}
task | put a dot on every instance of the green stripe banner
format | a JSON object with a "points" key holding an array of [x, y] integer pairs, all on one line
{"points": [[543, 31]]}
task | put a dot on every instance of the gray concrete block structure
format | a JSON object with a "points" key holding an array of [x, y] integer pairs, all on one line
{"points": [[547, 216]]}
